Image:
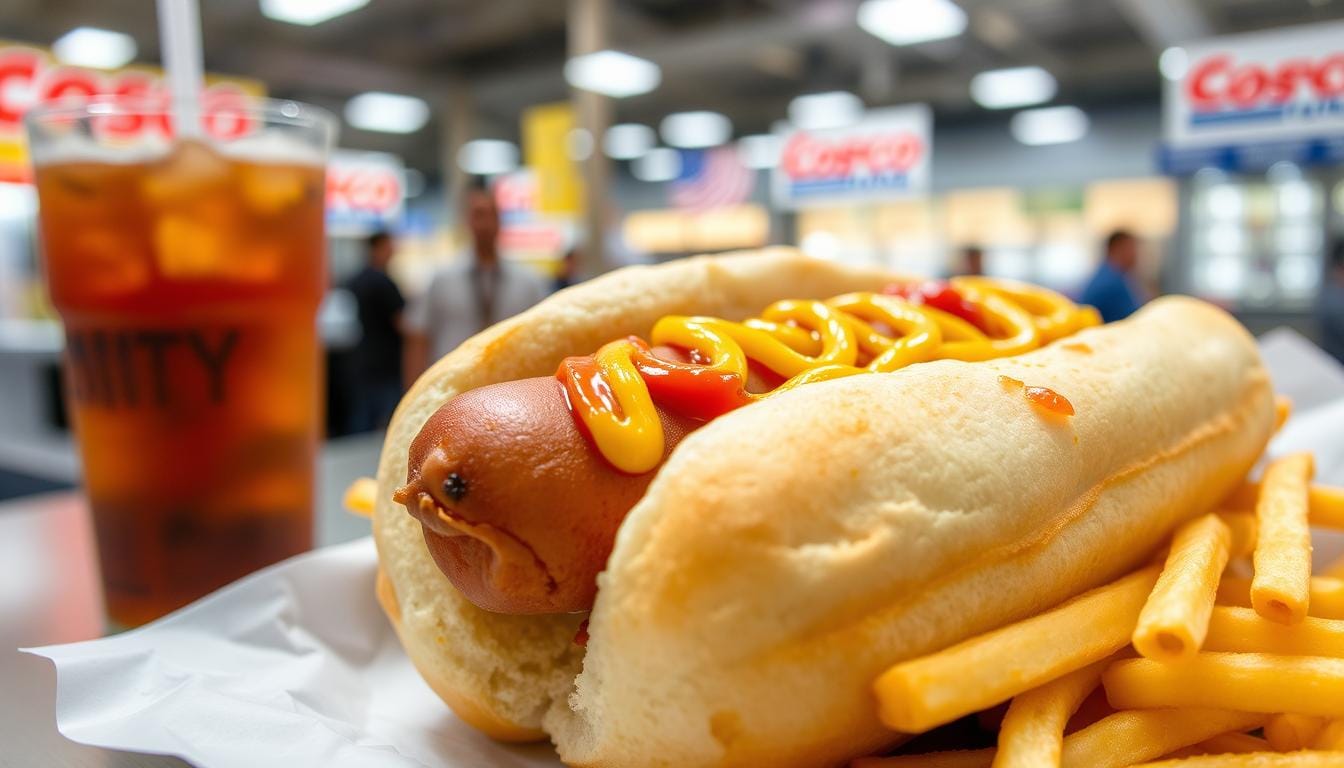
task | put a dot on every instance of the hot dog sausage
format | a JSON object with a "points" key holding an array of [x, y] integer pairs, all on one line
{"points": [[517, 508]]}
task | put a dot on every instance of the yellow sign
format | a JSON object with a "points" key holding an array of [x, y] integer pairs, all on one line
{"points": [[546, 130], [30, 77]]}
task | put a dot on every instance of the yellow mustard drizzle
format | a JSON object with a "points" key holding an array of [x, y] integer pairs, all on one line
{"points": [[805, 341]]}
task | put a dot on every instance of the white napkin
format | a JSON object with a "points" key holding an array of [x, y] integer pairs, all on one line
{"points": [[296, 665], [292, 666]]}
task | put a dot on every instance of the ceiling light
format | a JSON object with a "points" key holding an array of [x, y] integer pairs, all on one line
{"points": [[1049, 125], [759, 151], [308, 12], [819, 111], [386, 112], [1173, 63], [488, 157], [627, 141], [694, 130], [613, 73], [660, 164], [906, 22], [1013, 87], [92, 47]]}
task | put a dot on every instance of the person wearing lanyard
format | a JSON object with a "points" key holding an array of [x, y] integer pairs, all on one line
{"points": [[470, 294]]}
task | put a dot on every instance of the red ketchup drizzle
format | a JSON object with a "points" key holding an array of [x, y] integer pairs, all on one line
{"points": [[940, 295], [687, 389]]}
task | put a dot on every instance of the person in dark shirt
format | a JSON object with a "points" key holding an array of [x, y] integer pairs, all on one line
{"points": [[1330, 304], [377, 357], [567, 274], [1111, 289], [972, 260]]}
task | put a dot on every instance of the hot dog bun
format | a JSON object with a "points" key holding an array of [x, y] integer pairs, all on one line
{"points": [[789, 551]]}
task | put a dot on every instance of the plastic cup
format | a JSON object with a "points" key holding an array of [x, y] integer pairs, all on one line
{"points": [[188, 274]]}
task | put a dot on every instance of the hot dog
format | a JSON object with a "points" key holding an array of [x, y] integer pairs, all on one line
{"points": [[780, 555], [520, 514]]}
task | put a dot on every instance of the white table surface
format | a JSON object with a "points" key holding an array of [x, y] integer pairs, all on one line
{"points": [[49, 593]]}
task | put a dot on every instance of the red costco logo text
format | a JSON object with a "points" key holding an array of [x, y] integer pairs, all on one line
{"points": [[1219, 80], [815, 157], [29, 79], [363, 188]]}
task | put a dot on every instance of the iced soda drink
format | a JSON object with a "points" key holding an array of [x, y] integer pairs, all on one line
{"points": [[188, 283]]}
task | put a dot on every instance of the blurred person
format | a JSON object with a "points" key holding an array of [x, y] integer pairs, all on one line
{"points": [[377, 358], [568, 274], [1112, 289], [972, 260], [472, 293], [1330, 303]]}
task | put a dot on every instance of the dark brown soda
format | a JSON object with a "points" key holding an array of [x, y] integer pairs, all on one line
{"points": [[189, 287]]}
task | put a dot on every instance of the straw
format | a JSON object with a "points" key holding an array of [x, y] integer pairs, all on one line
{"points": [[180, 38]]}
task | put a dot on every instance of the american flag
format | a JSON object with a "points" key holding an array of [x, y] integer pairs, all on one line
{"points": [[711, 178]]}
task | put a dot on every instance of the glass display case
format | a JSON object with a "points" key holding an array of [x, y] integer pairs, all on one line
{"points": [[1257, 241]]}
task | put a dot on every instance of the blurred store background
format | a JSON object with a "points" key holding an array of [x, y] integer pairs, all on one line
{"points": [[930, 136]]}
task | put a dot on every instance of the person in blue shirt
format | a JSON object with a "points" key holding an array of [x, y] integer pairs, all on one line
{"points": [[1330, 304], [1111, 289]]}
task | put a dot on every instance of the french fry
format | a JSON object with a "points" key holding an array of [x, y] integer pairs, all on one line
{"points": [[1251, 682], [1325, 503], [1283, 408], [1331, 737], [1175, 618], [919, 694], [1326, 595], [1242, 630], [1129, 737], [1327, 506], [1254, 760], [1233, 744], [1094, 708], [360, 496], [1116, 741], [960, 758], [1032, 733], [1281, 584], [1242, 526], [1290, 731]]}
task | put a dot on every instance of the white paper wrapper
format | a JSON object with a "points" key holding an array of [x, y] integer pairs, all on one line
{"points": [[296, 665]]}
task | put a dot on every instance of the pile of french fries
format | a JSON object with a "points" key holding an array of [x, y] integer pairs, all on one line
{"points": [[1204, 659]]}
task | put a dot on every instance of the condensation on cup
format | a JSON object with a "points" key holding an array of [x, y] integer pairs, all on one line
{"points": [[187, 273]]}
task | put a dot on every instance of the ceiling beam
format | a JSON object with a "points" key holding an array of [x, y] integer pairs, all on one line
{"points": [[1164, 23], [998, 30], [291, 68]]}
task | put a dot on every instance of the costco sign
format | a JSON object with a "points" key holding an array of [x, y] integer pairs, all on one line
{"points": [[1282, 84], [365, 191], [30, 77], [884, 157]]}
